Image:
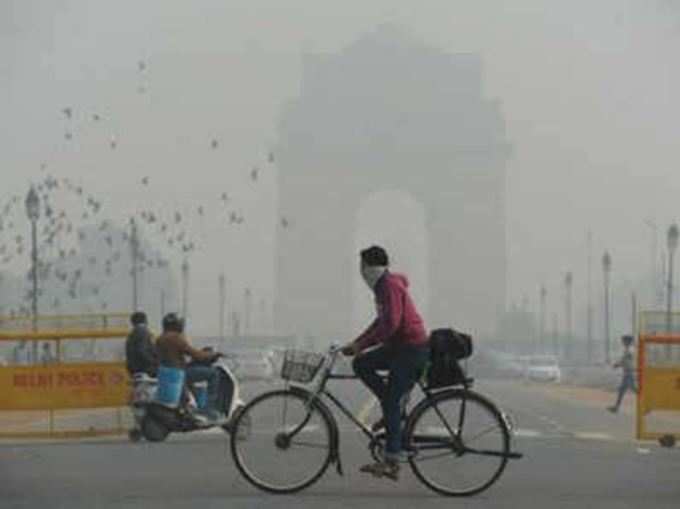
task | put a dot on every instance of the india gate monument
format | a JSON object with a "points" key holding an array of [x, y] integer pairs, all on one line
{"points": [[390, 113]]}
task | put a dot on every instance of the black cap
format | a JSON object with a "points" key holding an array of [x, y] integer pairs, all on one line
{"points": [[375, 256], [138, 318], [173, 322]]}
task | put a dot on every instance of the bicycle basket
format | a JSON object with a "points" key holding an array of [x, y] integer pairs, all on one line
{"points": [[300, 366]]}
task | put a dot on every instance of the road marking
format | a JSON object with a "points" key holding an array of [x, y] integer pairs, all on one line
{"points": [[527, 433], [523, 433], [594, 436]]}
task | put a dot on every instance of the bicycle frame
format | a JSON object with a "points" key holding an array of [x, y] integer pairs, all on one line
{"points": [[454, 441], [321, 391]]}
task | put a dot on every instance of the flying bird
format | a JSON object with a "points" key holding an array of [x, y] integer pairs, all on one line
{"points": [[145, 181], [254, 173], [68, 112], [214, 144]]}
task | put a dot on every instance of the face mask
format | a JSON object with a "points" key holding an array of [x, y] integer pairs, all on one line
{"points": [[371, 275]]}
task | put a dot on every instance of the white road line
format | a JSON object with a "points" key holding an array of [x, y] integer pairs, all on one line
{"points": [[595, 435], [528, 433]]}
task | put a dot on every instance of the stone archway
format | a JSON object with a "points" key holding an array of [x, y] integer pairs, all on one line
{"points": [[391, 113]]}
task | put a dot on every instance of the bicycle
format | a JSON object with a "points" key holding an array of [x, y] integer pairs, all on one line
{"points": [[441, 427]]}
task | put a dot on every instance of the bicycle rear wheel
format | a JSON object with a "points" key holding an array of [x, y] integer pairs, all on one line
{"points": [[289, 444], [461, 442]]}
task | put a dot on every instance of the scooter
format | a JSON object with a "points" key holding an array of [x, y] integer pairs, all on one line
{"points": [[156, 415]]}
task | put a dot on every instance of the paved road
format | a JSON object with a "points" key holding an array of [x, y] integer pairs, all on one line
{"points": [[577, 455]]}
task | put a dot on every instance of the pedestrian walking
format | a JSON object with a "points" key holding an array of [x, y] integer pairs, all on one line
{"points": [[628, 372]]}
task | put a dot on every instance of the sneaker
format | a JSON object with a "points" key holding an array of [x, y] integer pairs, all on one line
{"points": [[382, 469], [612, 409]]}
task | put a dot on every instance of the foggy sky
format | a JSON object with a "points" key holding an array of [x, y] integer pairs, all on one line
{"points": [[588, 90]]}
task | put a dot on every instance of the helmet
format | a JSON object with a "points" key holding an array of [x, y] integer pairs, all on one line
{"points": [[173, 322], [138, 318], [627, 340]]}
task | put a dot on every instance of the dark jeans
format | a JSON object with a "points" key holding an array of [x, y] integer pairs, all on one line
{"points": [[197, 373], [404, 365], [627, 382]]}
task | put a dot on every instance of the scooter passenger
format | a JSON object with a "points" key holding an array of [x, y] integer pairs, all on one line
{"points": [[174, 348]]}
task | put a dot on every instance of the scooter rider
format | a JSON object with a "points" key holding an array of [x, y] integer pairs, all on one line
{"points": [[140, 353], [173, 348]]}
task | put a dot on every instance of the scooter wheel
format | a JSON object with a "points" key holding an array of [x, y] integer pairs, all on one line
{"points": [[135, 435], [153, 430]]}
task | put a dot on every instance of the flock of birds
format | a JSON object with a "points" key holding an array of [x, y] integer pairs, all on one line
{"points": [[61, 230]]}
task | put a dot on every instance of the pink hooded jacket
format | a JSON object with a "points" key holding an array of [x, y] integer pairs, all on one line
{"points": [[398, 321]]}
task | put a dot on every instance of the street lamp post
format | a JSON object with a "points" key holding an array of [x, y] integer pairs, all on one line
{"points": [[185, 288], [589, 310], [222, 284], [33, 213], [653, 272], [247, 294], [2, 306], [162, 303], [544, 296], [606, 271], [672, 239], [555, 332], [134, 259], [568, 285]]}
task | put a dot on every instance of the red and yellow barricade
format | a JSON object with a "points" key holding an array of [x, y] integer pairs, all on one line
{"points": [[66, 397], [658, 400]]}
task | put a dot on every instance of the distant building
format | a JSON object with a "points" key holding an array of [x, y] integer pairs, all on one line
{"points": [[391, 113]]}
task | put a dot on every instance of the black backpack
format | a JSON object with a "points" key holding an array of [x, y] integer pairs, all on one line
{"points": [[447, 347]]}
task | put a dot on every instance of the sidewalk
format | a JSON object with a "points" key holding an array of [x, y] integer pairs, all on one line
{"points": [[63, 420], [620, 426], [595, 397]]}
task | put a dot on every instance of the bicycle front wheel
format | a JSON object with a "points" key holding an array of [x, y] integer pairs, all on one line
{"points": [[289, 443], [461, 443]]}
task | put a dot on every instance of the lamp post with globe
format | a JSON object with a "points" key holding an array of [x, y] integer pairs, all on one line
{"points": [[606, 272], [33, 213], [672, 239]]}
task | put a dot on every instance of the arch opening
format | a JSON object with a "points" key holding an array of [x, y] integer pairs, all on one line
{"points": [[395, 220]]}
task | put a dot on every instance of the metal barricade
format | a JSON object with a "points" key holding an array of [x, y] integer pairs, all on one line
{"points": [[658, 358], [76, 390]]}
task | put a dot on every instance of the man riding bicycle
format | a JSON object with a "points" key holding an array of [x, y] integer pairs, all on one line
{"points": [[395, 342]]}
